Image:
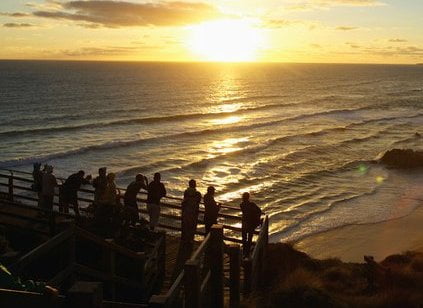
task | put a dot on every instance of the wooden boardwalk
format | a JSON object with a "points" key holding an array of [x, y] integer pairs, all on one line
{"points": [[231, 275]]}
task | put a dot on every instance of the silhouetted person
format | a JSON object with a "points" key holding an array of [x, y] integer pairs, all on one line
{"points": [[100, 184], [211, 209], [190, 206], [106, 209], [69, 191], [37, 176], [130, 198], [251, 215], [48, 185], [110, 193], [156, 191]]}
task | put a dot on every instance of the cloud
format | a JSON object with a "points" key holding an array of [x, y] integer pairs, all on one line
{"points": [[16, 14], [279, 23], [98, 51], [115, 14], [322, 4], [386, 51], [17, 25], [353, 45], [397, 41], [346, 28]]}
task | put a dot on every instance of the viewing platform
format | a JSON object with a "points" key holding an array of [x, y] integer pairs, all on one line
{"points": [[69, 256]]}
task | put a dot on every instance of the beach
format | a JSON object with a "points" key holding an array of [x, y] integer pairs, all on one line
{"points": [[351, 243]]}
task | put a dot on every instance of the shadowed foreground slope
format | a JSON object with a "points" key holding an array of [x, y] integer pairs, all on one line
{"points": [[293, 279]]}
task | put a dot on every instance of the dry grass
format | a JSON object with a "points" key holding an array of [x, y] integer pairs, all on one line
{"points": [[293, 279]]}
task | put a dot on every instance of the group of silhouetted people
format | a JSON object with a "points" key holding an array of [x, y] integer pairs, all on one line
{"points": [[108, 209]]}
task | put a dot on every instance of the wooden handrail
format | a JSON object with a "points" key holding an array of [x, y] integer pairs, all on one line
{"points": [[226, 206], [90, 191], [164, 205], [112, 246], [42, 249], [196, 254], [262, 238]]}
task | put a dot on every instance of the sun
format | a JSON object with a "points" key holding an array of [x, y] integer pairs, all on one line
{"points": [[226, 41]]}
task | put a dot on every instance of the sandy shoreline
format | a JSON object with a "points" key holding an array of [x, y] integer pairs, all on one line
{"points": [[351, 243]]}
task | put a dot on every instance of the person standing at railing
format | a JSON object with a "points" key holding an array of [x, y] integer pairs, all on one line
{"points": [[107, 209], [100, 184], [251, 219], [190, 207], [212, 209], [156, 191], [69, 191], [48, 185], [130, 198], [37, 176]]}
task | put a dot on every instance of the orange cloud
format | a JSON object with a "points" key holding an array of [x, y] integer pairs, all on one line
{"points": [[115, 14]]}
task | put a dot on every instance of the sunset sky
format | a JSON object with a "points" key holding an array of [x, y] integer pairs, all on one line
{"points": [[353, 31]]}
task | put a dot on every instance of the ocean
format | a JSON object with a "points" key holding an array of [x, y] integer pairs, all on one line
{"points": [[302, 138]]}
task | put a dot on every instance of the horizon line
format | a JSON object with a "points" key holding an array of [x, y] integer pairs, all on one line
{"points": [[210, 62]]}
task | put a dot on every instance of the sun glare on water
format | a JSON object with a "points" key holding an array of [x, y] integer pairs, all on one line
{"points": [[226, 41]]}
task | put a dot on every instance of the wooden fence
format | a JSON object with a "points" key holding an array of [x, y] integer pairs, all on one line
{"points": [[253, 266], [201, 282], [19, 189], [81, 295], [118, 267]]}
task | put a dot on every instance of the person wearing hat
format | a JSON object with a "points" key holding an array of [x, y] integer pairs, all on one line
{"points": [[211, 209], [47, 188], [130, 198]]}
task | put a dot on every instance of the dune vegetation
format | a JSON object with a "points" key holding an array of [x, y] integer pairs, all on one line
{"points": [[293, 279]]}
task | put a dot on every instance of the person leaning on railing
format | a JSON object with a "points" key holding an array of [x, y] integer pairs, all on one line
{"points": [[69, 191], [130, 199]]}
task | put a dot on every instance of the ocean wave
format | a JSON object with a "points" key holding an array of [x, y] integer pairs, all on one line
{"points": [[288, 232], [170, 118], [119, 144]]}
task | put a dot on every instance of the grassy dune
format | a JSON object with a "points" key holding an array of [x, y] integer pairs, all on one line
{"points": [[293, 279]]}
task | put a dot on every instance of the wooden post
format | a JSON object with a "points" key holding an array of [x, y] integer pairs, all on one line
{"points": [[72, 254], [11, 187], [247, 264], [86, 294], [139, 274], [158, 301], [52, 222], [192, 284], [234, 275], [216, 265], [109, 266], [162, 260]]}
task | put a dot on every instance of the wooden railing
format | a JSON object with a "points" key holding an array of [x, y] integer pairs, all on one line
{"points": [[201, 282], [77, 298], [116, 266], [253, 266], [171, 208]]}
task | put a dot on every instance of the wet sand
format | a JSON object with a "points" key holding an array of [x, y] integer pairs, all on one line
{"points": [[351, 243]]}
